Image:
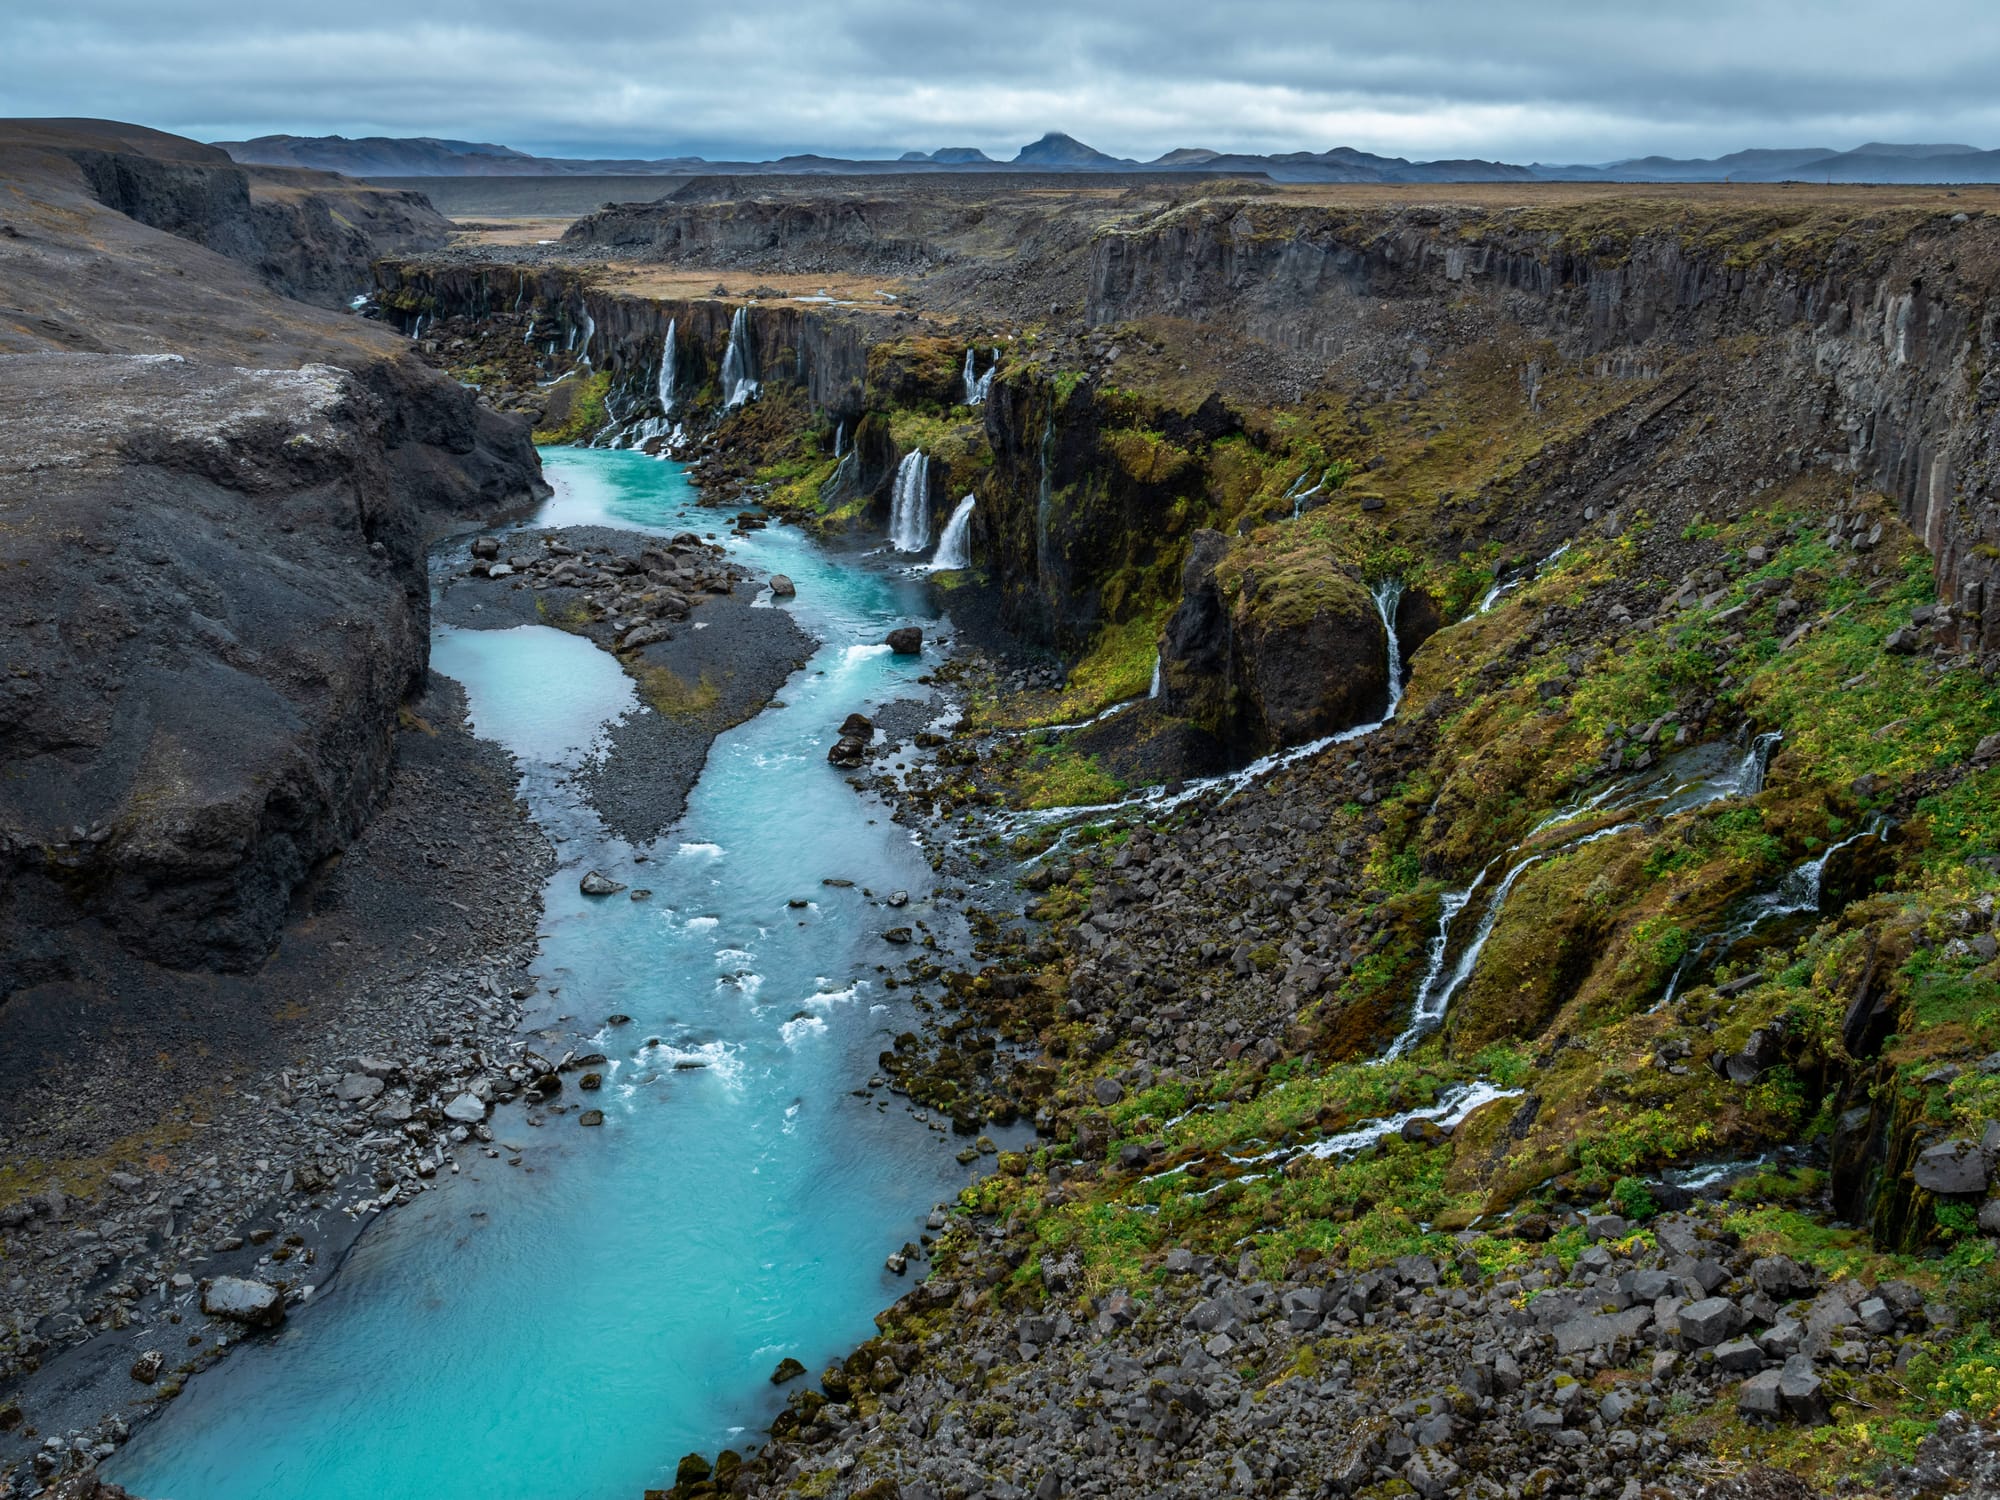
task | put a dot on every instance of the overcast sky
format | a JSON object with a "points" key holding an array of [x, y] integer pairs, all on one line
{"points": [[1554, 80]]}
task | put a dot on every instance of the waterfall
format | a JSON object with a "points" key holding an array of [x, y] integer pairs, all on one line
{"points": [[1387, 595], [1745, 779], [1154, 690], [1044, 500], [1796, 894], [1756, 763], [977, 386], [840, 440], [910, 503], [418, 331], [955, 546], [669, 360], [1298, 494], [589, 333], [1433, 1000], [739, 362], [1494, 594]]}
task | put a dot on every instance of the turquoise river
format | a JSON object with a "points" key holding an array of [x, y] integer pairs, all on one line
{"points": [[568, 1328]]}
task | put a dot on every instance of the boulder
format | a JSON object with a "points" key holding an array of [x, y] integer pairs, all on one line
{"points": [[1952, 1167], [466, 1109], [1804, 1392], [1709, 1321], [848, 752], [906, 640], [857, 726], [357, 1086], [597, 883], [782, 587], [1299, 655], [146, 1368], [1759, 1395], [257, 1304]]}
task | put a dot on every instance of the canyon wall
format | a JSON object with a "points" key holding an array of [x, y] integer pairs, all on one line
{"points": [[216, 505], [1877, 328]]}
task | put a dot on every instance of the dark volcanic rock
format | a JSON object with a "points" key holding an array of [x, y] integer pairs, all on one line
{"points": [[1262, 669], [310, 235], [216, 503]]}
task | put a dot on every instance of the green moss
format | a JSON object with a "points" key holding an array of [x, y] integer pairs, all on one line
{"points": [[1061, 776], [586, 413]]}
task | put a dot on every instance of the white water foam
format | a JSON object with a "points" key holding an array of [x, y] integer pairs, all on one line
{"points": [[954, 550], [799, 1028], [910, 504], [739, 362]]}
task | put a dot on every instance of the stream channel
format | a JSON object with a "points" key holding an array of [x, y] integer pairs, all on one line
{"points": [[570, 1327]]}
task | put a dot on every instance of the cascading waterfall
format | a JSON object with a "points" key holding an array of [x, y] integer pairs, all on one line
{"points": [[1434, 994], [1388, 594], [955, 545], [1158, 663], [1507, 586], [977, 386], [1796, 894], [739, 362], [910, 504], [588, 333], [1044, 498], [840, 440], [669, 360], [1298, 494]]}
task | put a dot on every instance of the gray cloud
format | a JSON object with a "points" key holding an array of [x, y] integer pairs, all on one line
{"points": [[1549, 81]]}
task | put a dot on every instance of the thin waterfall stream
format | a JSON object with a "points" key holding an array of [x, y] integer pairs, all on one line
{"points": [[568, 1327]]}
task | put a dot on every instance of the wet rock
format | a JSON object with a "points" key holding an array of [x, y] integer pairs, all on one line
{"points": [[782, 587], [849, 752], [256, 1304], [906, 640], [788, 1369], [897, 935], [591, 1117], [857, 726], [597, 883]]}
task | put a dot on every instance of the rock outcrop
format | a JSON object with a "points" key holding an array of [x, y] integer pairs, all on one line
{"points": [[310, 235], [215, 503], [1877, 325]]}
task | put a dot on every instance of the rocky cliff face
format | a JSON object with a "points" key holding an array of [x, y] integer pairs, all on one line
{"points": [[1876, 328], [824, 354], [218, 604], [310, 235], [215, 505]]}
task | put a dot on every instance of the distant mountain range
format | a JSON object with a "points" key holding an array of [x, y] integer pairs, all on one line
{"points": [[428, 156]]}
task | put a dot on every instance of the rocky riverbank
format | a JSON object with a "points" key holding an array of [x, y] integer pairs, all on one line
{"points": [[400, 996], [1218, 1276], [255, 1127]]}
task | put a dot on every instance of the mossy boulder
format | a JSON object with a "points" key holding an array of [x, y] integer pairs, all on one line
{"points": [[1263, 660]]}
